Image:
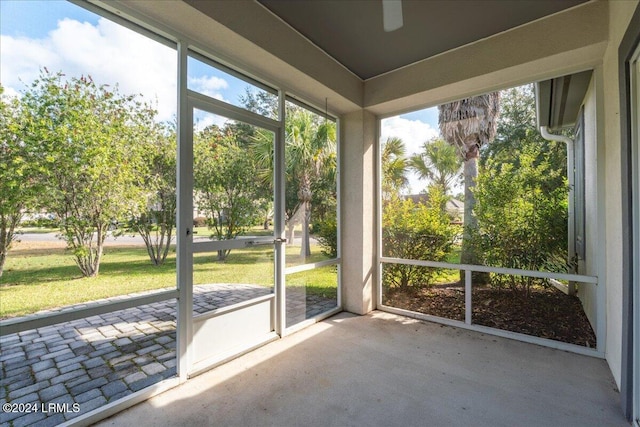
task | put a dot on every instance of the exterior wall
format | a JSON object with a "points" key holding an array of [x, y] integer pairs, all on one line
{"points": [[620, 12], [588, 292], [358, 225]]}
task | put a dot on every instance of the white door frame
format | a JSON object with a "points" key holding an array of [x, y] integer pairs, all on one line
{"points": [[191, 355], [634, 101]]}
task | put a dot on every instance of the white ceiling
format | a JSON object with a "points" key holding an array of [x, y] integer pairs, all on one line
{"points": [[351, 31]]}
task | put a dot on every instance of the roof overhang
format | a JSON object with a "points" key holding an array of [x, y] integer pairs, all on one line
{"points": [[558, 100]]}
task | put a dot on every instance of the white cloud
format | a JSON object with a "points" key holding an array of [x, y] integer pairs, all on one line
{"points": [[202, 120], [209, 85], [413, 133], [108, 52]]}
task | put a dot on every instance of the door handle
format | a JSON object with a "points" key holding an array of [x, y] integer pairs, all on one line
{"points": [[264, 242]]}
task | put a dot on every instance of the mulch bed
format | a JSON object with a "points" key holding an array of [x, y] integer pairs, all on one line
{"points": [[545, 313]]}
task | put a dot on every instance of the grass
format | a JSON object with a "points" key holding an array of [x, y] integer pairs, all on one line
{"points": [[39, 278], [37, 230], [447, 275]]}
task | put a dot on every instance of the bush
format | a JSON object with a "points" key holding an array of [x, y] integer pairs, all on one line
{"points": [[522, 215], [415, 231], [200, 221], [326, 232], [41, 222]]}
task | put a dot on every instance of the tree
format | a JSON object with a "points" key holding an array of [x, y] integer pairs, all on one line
{"points": [[88, 139], [155, 224], [469, 124], [517, 128], [521, 193], [261, 151], [310, 152], [310, 168], [225, 184], [260, 102], [438, 162], [394, 167], [18, 173]]}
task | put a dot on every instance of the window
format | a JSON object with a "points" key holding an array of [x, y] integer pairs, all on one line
{"points": [[311, 213]]}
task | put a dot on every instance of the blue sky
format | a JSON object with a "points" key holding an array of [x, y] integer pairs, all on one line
{"points": [[34, 19], [64, 37]]}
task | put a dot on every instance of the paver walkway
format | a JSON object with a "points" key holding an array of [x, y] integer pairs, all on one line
{"points": [[99, 359]]}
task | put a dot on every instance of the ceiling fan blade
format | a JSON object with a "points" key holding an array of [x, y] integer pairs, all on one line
{"points": [[392, 15]]}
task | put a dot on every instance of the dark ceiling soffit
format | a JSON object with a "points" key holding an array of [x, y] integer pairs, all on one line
{"points": [[558, 100], [351, 31]]}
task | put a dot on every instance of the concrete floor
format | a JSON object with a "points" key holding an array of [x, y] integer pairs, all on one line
{"points": [[388, 370]]}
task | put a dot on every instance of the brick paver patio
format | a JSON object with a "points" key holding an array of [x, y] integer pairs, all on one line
{"points": [[99, 359]]}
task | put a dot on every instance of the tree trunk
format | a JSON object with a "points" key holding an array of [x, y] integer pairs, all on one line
{"points": [[469, 253], [290, 229], [157, 242], [304, 196], [305, 248], [88, 254], [8, 226]]}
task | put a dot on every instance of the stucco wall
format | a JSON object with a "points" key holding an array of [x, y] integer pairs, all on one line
{"points": [[588, 292], [620, 12], [358, 236]]}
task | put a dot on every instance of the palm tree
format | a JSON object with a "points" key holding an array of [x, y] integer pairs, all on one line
{"points": [[467, 125], [310, 152], [394, 167], [438, 162]]}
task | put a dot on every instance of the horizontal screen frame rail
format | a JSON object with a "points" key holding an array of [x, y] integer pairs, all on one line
{"points": [[499, 270], [21, 324]]}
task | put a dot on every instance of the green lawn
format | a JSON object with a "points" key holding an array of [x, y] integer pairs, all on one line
{"points": [[39, 279], [37, 230], [450, 276]]}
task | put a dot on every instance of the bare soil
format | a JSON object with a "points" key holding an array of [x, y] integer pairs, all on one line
{"points": [[545, 313]]}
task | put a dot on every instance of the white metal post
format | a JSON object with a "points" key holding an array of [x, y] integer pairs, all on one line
{"points": [[184, 238], [278, 220], [467, 296], [571, 235]]}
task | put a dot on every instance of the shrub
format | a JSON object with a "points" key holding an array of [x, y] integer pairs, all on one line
{"points": [[326, 232], [522, 216], [41, 222], [200, 221], [415, 231]]}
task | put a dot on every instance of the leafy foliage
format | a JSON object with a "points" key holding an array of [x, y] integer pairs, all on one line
{"points": [[89, 140], [18, 173], [157, 221], [310, 160], [326, 231], [416, 231], [394, 168], [225, 184], [438, 162], [522, 196]]}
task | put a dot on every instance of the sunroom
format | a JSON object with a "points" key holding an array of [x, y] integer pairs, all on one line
{"points": [[324, 243]]}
